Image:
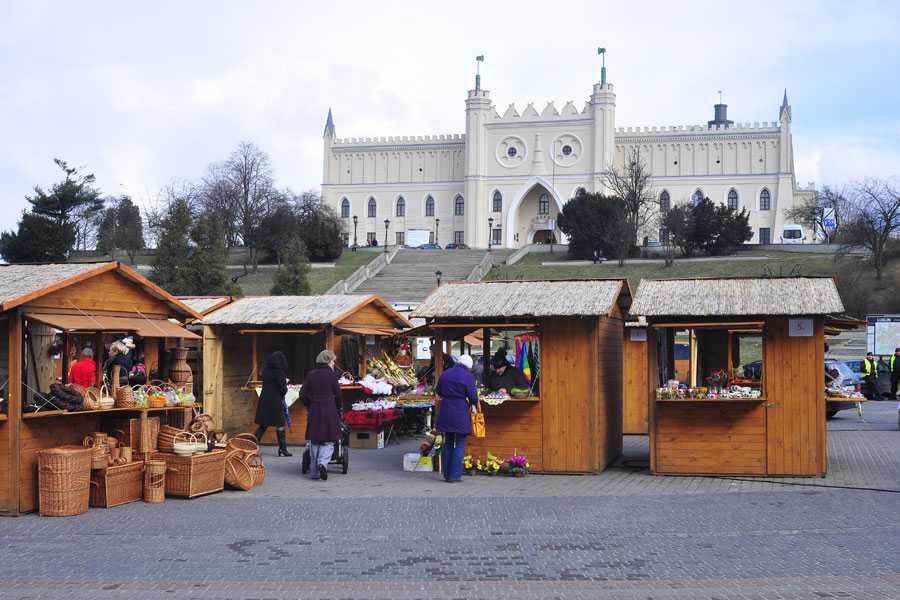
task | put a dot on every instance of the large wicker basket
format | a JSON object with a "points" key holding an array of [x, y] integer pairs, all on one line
{"points": [[155, 481], [64, 480], [238, 473], [196, 475], [129, 433], [166, 438], [117, 485]]}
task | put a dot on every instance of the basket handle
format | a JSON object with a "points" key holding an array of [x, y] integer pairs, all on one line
{"points": [[88, 438]]}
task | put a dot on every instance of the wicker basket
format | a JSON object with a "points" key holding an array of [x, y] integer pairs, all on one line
{"points": [[166, 438], [155, 481], [246, 447], [125, 398], [91, 397], [96, 443], [64, 481], [238, 474], [117, 485], [129, 433], [191, 476], [258, 469]]}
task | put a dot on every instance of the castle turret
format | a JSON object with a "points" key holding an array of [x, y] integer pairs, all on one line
{"points": [[720, 120], [478, 110], [603, 108], [327, 141], [787, 184]]}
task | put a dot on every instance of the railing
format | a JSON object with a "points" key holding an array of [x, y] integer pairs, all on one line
{"points": [[362, 274], [482, 268]]}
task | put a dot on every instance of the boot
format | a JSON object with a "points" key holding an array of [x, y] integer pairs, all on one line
{"points": [[282, 443], [260, 432]]}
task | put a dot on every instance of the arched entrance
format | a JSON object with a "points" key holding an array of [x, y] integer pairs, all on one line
{"points": [[532, 217]]}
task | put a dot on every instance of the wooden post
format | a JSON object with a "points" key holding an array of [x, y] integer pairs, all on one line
{"points": [[439, 357], [253, 370], [213, 377], [98, 356], [485, 354], [14, 407]]}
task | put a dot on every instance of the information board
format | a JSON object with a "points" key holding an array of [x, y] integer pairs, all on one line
{"points": [[883, 334]]}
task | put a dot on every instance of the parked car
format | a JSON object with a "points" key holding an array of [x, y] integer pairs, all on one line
{"points": [[792, 234], [429, 247], [849, 381], [457, 247], [883, 383]]}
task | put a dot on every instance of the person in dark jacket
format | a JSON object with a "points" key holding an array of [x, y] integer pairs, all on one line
{"points": [[321, 395], [272, 410], [117, 359], [504, 376], [456, 389]]}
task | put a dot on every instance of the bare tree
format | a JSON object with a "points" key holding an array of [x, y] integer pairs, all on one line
{"points": [[874, 219], [218, 194], [250, 173], [815, 212], [632, 185]]}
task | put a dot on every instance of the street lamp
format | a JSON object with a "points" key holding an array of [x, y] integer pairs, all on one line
{"points": [[355, 219], [490, 231], [437, 228], [438, 275], [387, 223]]}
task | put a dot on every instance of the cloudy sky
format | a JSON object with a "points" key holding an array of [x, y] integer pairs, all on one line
{"points": [[144, 94]]}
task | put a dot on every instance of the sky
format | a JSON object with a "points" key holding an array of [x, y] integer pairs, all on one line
{"points": [[144, 95]]}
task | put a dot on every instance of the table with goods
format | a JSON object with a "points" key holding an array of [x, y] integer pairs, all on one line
{"points": [[133, 459]]}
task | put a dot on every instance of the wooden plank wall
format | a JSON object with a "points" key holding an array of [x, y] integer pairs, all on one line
{"points": [[5, 466], [107, 292], [609, 386], [569, 395], [635, 409], [794, 384], [213, 383], [511, 427]]}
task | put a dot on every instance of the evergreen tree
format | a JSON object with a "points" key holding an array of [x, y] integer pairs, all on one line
{"points": [[171, 265], [320, 228], [207, 271], [592, 223], [121, 228], [292, 276]]}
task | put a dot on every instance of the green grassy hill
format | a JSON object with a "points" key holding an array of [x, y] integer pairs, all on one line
{"points": [[259, 283]]}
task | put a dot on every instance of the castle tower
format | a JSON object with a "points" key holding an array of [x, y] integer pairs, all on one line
{"points": [[784, 196], [478, 110], [603, 109]]}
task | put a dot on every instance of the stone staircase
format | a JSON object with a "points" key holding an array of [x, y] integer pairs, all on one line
{"points": [[409, 278]]}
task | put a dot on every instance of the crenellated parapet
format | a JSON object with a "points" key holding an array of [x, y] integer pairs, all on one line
{"points": [[402, 140], [549, 113], [766, 126]]}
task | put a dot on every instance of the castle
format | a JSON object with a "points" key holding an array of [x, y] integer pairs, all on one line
{"points": [[504, 181]]}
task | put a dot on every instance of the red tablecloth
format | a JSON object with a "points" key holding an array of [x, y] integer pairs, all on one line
{"points": [[371, 419]]}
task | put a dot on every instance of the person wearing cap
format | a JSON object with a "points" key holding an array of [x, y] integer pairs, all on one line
{"points": [[458, 398], [321, 395], [503, 376], [870, 375], [84, 370], [272, 410]]}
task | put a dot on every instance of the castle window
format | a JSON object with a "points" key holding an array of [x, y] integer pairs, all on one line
{"points": [[697, 197], [567, 150], [498, 202], [732, 199], [511, 152], [665, 203], [429, 206], [497, 237], [345, 208], [373, 207], [544, 204], [401, 207], [459, 206], [765, 200]]}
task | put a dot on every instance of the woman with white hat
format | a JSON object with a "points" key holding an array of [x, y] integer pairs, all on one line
{"points": [[456, 389]]}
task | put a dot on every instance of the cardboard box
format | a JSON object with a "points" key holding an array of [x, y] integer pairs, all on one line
{"points": [[367, 439]]}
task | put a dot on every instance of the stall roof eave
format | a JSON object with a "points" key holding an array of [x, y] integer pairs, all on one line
{"points": [[739, 297], [501, 301], [205, 304], [145, 327]]}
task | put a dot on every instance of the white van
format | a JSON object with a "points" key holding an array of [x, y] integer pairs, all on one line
{"points": [[792, 234]]}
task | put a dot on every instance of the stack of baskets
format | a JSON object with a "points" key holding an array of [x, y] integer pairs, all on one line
{"points": [[244, 468], [64, 481], [165, 440]]}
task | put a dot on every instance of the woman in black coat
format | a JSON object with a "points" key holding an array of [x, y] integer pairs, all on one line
{"points": [[271, 410], [321, 394]]}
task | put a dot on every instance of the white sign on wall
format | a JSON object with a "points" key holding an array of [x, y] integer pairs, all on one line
{"points": [[417, 237], [423, 348], [800, 327]]}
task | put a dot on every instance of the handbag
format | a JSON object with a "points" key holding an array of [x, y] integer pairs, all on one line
{"points": [[478, 429]]}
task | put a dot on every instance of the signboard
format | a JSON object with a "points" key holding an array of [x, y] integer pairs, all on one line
{"points": [[828, 219], [417, 237], [639, 334], [423, 348], [800, 327], [882, 334]]}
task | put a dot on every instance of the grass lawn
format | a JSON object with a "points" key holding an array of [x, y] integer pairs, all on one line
{"points": [[784, 263], [260, 282]]}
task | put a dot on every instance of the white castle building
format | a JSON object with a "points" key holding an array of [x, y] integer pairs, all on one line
{"points": [[510, 174]]}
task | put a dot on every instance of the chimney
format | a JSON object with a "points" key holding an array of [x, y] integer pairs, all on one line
{"points": [[721, 118]]}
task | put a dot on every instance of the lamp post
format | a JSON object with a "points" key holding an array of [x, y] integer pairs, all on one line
{"points": [[387, 223], [490, 232], [355, 219], [437, 228], [438, 275]]}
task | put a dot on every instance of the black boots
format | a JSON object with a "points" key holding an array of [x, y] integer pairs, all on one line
{"points": [[260, 432], [282, 443]]}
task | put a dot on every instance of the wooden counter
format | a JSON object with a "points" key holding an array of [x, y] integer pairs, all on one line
{"points": [[721, 400]]}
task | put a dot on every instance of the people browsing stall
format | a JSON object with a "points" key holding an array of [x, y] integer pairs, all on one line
{"points": [[321, 395], [117, 360], [504, 376], [84, 370], [456, 389], [272, 410]]}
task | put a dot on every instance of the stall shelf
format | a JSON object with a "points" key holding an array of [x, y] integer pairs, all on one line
{"points": [[773, 424], [574, 423], [239, 336], [42, 303]]}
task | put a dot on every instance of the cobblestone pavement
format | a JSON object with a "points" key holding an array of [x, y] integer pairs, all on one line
{"points": [[380, 533]]}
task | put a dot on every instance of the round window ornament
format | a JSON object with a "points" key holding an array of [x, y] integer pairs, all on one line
{"points": [[567, 150], [511, 152]]}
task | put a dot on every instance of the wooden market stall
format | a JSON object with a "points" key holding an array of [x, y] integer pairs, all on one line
{"points": [[238, 337], [572, 423], [47, 313], [749, 398], [635, 408]]}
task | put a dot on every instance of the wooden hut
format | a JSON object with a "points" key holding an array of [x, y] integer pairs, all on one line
{"points": [[573, 422], [635, 408], [238, 337], [761, 343], [47, 313]]}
